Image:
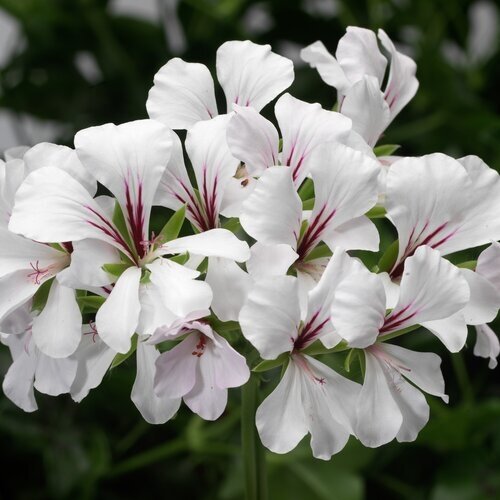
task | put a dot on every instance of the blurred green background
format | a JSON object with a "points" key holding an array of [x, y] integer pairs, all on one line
{"points": [[69, 64]]}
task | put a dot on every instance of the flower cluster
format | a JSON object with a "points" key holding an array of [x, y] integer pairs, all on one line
{"points": [[258, 264]]}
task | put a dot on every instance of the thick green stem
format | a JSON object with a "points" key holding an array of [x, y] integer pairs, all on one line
{"points": [[254, 459]]}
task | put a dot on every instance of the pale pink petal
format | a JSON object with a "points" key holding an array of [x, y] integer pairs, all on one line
{"points": [[55, 376], [230, 367], [176, 369]]}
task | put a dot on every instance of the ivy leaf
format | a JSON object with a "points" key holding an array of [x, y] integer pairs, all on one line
{"points": [[41, 296], [269, 364], [91, 303], [121, 224], [173, 227], [377, 212]]}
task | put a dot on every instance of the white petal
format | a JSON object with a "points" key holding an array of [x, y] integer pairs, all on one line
{"points": [[55, 376], [128, 159], [484, 299], [356, 234], [281, 419], [15, 290], [271, 316], [402, 84], [213, 243], [230, 285], [345, 188], [18, 253], [154, 310], [328, 68], [488, 264], [179, 290], [422, 368], [212, 162], [182, 94], [18, 382], [251, 74], [364, 104], [15, 153], [230, 367], [154, 409], [487, 345], [45, 154], [87, 259], [94, 359], [253, 140], [358, 308], [431, 289], [378, 415], [303, 127], [236, 191], [117, 319], [270, 260], [451, 331], [359, 55], [12, 175], [274, 194], [415, 411], [18, 321], [51, 207], [57, 330]]}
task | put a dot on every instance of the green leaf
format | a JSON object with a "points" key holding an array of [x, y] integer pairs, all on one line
{"points": [[470, 264], [308, 204], [317, 347], [232, 224], [90, 303], [120, 358], [41, 296], [377, 212], [388, 260], [306, 191], [319, 252], [269, 364], [115, 269], [173, 227], [386, 149], [181, 258]]}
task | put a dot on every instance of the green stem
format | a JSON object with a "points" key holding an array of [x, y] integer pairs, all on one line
{"points": [[253, 451]]}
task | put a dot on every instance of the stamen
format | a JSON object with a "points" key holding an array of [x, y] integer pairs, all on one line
{"points": [[38, 274], [200, 346]]}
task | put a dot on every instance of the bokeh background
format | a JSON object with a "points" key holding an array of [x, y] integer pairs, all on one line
{"points": [[69, 64]]}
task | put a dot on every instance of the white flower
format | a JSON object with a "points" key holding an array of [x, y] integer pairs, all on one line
{"points": [[250, 75], [199, 369], [358, 72], [311, 397], [129, 160]]}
